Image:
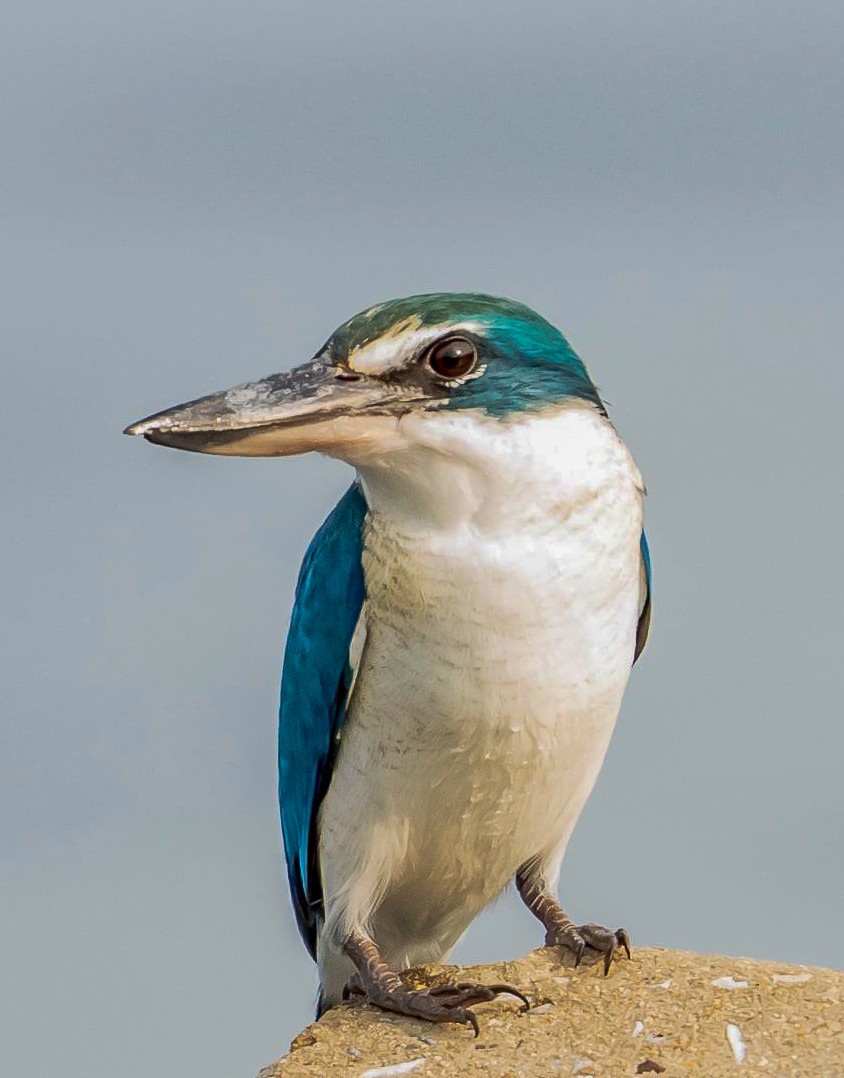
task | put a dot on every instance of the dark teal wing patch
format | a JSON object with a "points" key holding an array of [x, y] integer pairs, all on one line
{"points": [[645, 615], [315, 681]]}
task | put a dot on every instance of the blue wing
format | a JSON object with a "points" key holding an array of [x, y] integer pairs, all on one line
{"points": [[645, 612], [315, 681]]}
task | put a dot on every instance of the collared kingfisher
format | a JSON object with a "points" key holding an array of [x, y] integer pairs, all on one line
{"points": [[464, 626]]}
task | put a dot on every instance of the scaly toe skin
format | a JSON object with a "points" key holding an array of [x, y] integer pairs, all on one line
{"points": [[443, 1003], [593, 943], [424, 1003], [468, 993], [570, 940]]}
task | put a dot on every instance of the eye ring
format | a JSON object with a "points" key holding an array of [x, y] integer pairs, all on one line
{"points": [[453, 357]]}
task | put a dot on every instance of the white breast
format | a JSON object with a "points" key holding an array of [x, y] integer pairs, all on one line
{"points": [[503, 588]]}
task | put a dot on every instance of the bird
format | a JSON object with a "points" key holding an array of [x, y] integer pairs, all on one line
{"points": [[464, 626]]}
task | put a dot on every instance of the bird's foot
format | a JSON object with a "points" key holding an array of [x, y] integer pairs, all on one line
{"points": [[586, 944], [590, 944], [441, 1003]]}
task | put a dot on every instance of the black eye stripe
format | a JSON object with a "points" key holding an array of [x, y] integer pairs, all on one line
{"points": [[453, 357]]}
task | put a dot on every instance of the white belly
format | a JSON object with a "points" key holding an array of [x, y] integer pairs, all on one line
{"points": [[491, 678]]}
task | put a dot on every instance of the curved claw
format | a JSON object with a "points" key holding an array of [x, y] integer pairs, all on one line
{"points": [[596, 939], [620, 938], [469, 992], [509, 990], [458, 1015]]}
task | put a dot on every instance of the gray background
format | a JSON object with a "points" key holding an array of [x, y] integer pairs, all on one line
{"points": [[197, 193]]}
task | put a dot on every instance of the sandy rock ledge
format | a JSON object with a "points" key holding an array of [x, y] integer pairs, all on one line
{"points": [[665, 1012]]}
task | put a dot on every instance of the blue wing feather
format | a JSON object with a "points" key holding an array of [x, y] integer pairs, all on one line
{"points": [[315, 681], [645, 613]]}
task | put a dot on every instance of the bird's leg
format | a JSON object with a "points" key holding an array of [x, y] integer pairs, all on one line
{"points": [[443, 1003], [588, 943]]}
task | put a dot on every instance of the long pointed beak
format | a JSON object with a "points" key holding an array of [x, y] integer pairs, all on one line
{"points": [[313, 406]]}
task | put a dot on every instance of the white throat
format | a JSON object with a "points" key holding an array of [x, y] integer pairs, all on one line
{"points": [[447, 471]]}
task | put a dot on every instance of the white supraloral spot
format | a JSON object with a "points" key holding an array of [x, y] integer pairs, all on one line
{"points": [[400, 344], [385, 352]]}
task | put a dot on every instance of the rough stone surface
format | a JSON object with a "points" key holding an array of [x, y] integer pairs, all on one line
{"points": [[665, 1012]]}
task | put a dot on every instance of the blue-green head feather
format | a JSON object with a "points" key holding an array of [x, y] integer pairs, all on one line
{"points": [[523, 362]]}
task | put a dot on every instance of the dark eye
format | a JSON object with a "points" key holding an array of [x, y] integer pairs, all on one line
{"points": [[452, 358]]}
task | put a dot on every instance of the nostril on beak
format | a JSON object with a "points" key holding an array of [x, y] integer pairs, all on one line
{"points": [[346, 376]]}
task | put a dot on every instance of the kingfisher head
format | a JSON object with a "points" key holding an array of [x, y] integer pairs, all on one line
{"points": [[393, 369]]}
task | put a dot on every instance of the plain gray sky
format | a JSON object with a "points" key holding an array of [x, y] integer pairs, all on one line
{"points": [[196, 193]]}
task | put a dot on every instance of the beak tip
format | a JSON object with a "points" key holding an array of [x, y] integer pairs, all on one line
{"points": [[140, 428], [144, 427]]}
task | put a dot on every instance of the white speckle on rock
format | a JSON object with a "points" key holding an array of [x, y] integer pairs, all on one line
{"points": [[654, 1038], [396, 1068], [638, 1028], [729, 982], [495, 1022], [583, 1067], [791, 978], [663, 984], [561, 980], [545, 1008], [735, 1042]]}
